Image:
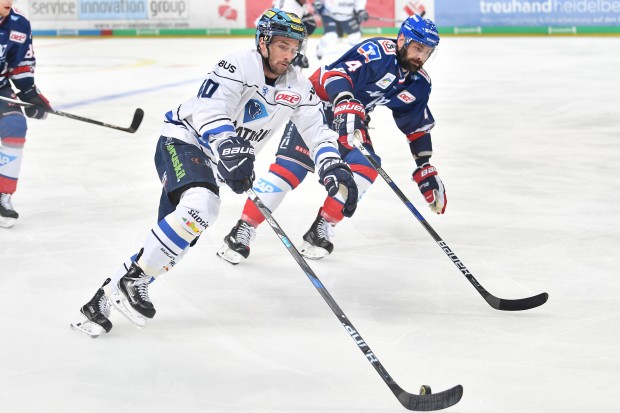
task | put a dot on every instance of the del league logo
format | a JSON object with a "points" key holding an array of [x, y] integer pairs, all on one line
{"points": [[287, 98], [17, 37]]}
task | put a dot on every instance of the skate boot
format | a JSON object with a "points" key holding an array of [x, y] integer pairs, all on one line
{"points": [[317, 240], [97, 312], [236, 246], [8, 215], [132, 298]]}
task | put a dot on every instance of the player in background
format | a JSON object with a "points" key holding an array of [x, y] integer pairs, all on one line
{"points": [[17, 64], [210, 141], [378, 71], [340, 17], [299, 8]]}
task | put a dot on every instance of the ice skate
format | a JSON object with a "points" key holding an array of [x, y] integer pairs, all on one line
{"points": [[317, 240], [236, 245], [8, 215], [96, 314], [132, 298]]}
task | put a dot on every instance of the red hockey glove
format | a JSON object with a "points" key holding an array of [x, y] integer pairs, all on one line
{"points": [[431, 187], [40, 103], [349, 115]]}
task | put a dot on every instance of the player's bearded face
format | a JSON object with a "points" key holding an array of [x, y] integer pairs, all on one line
{"points": [[279, 55], [413, 57]]}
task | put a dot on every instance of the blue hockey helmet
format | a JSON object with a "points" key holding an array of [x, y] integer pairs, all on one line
{"points": [[418, 29], [276, 22]]}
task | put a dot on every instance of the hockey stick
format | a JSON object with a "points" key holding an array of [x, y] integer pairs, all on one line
{"points": [[422, 402], [495, 302], [135, 122]]}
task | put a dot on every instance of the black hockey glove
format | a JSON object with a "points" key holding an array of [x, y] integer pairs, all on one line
{"points": [[361, 16], [334, 173], [40, 102], [310, 23], [236, 165]]}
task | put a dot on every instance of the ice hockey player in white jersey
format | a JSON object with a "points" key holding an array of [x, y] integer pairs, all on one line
{"points": [[210, 141], [340, 17], [299, 8]]}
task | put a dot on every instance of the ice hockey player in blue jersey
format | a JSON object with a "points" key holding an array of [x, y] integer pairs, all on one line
{"points": [[377, 71], [210, 140], [17, 64]]}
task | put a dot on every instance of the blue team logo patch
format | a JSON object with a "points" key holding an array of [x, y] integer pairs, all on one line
{"points": [[370, 51], [5, 159], [254, 110], [266, 187]]}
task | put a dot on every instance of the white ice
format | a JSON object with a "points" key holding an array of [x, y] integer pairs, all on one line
{"points": [[527, 143]]}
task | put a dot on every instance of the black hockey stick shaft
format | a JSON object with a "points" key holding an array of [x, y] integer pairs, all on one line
{"points": [[495, 302], [135, 122], [427, 402]]}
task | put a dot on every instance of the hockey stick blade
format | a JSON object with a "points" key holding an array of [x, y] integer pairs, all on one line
{"points": [[518, 304], [135, 122], [495, 302], [426, 402], [430, 402]]}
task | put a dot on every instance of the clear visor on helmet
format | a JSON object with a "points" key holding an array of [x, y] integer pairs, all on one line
{"points": [[293, 32], [421, 51]]}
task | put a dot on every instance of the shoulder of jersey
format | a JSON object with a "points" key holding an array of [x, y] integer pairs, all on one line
{"points": [[18, 21], [424, 75], [238, 64]]}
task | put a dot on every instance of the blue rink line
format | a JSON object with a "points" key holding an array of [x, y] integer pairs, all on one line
{"points": [[124, 94]]}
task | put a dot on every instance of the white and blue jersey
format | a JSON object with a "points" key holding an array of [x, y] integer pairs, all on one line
{"points": [[236, 100]]}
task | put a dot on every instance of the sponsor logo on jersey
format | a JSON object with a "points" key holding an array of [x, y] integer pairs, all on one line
{"points": [[406, 97], [252, 135], [5, 159], [370, 51], [388, 46], [266, 187], [287, 98], [386, 81], [17, 37], [254, 110], [227, 66]]}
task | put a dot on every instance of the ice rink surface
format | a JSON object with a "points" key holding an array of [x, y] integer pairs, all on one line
{"points": [[527, 144]]}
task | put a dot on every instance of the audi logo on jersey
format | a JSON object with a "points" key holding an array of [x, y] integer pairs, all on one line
{"points": [[287, 98]]}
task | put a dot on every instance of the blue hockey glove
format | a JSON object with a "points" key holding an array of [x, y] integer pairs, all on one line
{"points": [[431, 187], [236, 165], [40, 102], [349, 115], [334, 173], [361, 16]]}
